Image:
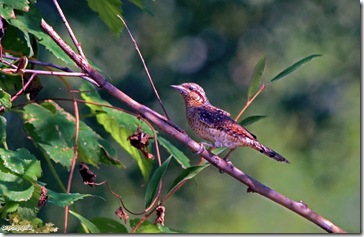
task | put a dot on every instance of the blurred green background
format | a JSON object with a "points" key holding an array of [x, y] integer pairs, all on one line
{"points": [[313, 114]]}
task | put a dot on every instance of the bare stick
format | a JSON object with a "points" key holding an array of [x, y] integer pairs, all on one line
{"points": [[75, 151], [67, 72], [170, 128], [145, 66], [69, 29]]}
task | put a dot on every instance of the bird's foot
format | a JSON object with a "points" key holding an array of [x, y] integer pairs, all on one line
{"points": [[203, 146]]}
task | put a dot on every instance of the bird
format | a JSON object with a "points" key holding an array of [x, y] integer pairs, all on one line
{"points": [[215, 125]]}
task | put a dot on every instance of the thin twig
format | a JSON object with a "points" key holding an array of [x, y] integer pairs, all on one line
{"points": [[171, 129], [145, 66], [69, 72], [69, 29], [250, 100], [75, 151]]}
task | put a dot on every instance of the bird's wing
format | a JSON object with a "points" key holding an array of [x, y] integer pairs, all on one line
{"points": [[220, 119]]}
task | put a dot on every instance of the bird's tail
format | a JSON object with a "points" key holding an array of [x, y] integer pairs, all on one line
{"points": [[268, 152]]}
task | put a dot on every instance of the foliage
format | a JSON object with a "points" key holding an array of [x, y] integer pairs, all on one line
{"points": [[59, 134]]}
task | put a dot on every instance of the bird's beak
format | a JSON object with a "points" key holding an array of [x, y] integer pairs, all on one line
{"points": [[180, 88]]}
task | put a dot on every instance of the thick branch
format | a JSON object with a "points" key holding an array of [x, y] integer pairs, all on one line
{"points": [[170, 128]]}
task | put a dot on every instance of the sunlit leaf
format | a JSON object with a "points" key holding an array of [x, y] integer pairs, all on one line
{"points": [[90, 226], [256, 78], [293, 67], [108, 11], [187, 174], [154, 182], [146, 227], [119, 125], [251, 119], [178, 155], [53, 130]]}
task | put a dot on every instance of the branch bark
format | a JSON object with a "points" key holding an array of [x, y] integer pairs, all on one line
{"points": [[174, 131]]}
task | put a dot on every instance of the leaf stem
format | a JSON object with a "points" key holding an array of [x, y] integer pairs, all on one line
{"points": [[249, 101]]}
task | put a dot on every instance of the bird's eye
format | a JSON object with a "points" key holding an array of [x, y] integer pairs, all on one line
{"points": [[191, 88]]}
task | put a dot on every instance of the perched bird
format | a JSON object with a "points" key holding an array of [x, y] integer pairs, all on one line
{"points": [[215, 125]]}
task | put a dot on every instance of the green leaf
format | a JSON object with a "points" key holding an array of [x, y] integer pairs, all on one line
{"points": [[16, 42], [165, 229], [5, 99], [256, 77], [9, 207], [7, 7], [22, 163], [19, 191], [178, 155], [108, 225], [154, 182], [294, 67], [146, 227], [119, 125], [2, 130], [64, 199], [251, 119], [90, 226], [108, 11], [53, 130], [29, 23], [187, 174], [138, 3]]}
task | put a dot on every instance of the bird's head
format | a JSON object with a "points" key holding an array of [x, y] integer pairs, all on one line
{"points": [[192, 94]]}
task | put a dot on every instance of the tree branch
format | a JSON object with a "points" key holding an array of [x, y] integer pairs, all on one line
{"points": [[174, 131]]}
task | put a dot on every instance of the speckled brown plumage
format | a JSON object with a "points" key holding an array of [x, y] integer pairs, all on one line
{"points": [[215, 125]]}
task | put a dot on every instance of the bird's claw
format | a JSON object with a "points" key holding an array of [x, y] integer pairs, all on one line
{"points": [[203, 146]]}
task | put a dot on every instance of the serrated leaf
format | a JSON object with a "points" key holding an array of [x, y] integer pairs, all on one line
{"points": [[119, 125], [154, 182], [108, 225], [187, 174], [251, 119], [294, 67], [64, 199], [145, 227], [108, 11], [178, 155], [90, 226], [256, 77], [53, 130], [17, 191], [27, 213], [21, 162]]}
